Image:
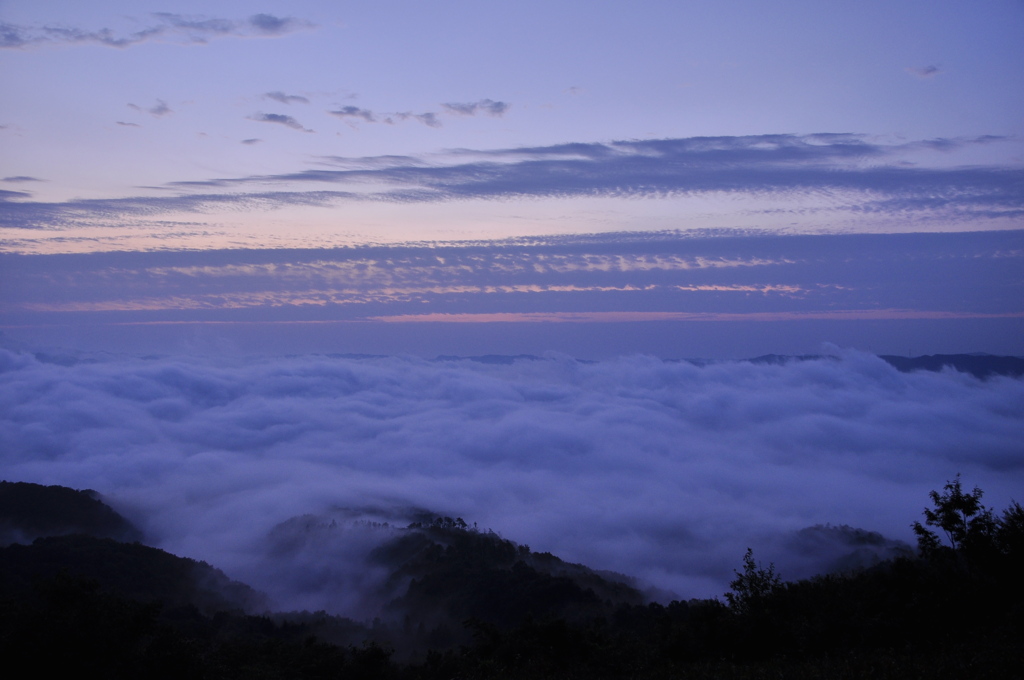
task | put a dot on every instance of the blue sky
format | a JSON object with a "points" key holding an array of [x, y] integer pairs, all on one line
{"points": [[208, 168]]}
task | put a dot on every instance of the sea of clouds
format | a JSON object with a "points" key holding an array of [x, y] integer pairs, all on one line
{"points": [[665, 471]]}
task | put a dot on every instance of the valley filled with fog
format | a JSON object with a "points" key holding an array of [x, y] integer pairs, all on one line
{"points": [[663, 471]]}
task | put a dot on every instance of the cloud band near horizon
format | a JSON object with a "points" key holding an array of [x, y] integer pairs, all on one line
{"points": [[618, 277], [833, 172]]}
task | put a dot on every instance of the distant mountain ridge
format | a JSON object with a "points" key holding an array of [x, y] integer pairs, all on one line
{"points": [[978, 364]]}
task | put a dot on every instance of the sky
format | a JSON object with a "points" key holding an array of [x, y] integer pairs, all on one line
{"points": [[680, 179]]}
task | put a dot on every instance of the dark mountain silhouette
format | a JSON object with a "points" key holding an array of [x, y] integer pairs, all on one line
{"points": [[54, 530], [780, 359], [130, 570], [502, 359], [844, 549], [978, 365], [446, 573], [28, 511], [436, 573]]}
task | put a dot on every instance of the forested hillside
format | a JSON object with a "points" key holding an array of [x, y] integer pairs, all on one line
{"points": [[465, 603]]}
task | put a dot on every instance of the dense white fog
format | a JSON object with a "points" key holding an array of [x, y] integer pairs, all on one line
{"points": [[663, 471]]}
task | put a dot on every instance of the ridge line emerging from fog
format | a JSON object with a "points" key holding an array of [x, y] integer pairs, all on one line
{"points": [[625, 317]]}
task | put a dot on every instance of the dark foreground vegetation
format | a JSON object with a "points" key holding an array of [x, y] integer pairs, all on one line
{"points": [[470, 604]]}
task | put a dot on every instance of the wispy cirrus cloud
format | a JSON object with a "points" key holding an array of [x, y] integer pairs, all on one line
{"points": [[8, 195], [924, 72], [283, 98], [39, 215], [162, 27], [432, 119], [347, 112], [280, 119], [485, 106], [429, 118], [158, 110]]}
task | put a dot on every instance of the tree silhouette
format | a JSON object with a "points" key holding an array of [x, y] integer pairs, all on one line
{"points": [[751, 588], [1010, 532], [967, 524]]}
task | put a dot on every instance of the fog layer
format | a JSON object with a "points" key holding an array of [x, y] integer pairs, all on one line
{"points": [[664, 471]]}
